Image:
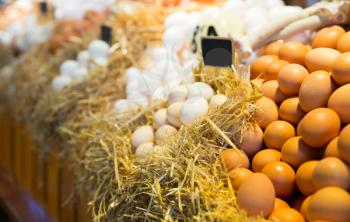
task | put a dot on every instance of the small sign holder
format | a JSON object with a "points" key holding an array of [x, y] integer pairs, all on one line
{"points": [[217, 51], [106, 34]]}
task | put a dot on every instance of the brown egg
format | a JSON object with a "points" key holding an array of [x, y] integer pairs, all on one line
{"points": [[321, 59], [252, 140], [257, 82], [295, 152], [343, 43], [315, 90], [332, 149], [231, 159], [238, 176], [279, 203], [339, 102], [286, 215], [293, 52], [273, 48], [271, 90], [290, 111], [303, 177], [282, 176], [273, 69], [277, 133], [260, 65], [304, 206], [344, 144], [256, 200], [266, 112], [328, 37], [263, 157], [319, 127], [290, 78], [331, 204], [341, 69], [331, 171]]}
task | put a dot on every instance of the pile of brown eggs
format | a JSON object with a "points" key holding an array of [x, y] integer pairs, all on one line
{"points": [[295, 165]]}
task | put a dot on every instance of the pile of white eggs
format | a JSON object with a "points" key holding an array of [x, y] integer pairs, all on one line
{"points": [[75, 70], [186, 104]]}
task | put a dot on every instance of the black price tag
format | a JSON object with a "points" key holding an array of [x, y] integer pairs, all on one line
{"points": [[106, 34], [217, 51], [44, 8]]}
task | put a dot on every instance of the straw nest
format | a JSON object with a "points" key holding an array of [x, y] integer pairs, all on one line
{"points": [[184, 183], [6, 55]]}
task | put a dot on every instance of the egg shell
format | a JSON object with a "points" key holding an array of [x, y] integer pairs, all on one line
{"points": [[331, 171], [277, 133], [143, 134], [286, 214], [59, 82], [200, 89], [84, 58], [279, 203], [295, 152], [293, 52], [124, 105], [271, 90], [173, 114], [321, 59], [259, 66], [238, 176], [143, 151], [303, 177], [291, 111], [344, 144], [329, 204], [304, 206], [164, 132], [256, 200], [160, 118], [266, 112], [282, 176], [341, 69], [274, 68], [332, 149], [101, 61], [98, 49], [328, 37], [319, 127], [217, 101], [339, 102], [263, 157], [273, 48], [252, 140], [232, 158], [192, 109], [343, 43], [69, 67], [80, 73], [178, 94], [315, 90], [290, 78]]}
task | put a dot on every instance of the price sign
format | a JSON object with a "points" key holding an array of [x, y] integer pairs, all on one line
{"points": [[217, 51], [44, 8], [106, 34]]}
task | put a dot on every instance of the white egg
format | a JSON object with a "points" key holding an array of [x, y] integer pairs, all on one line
{"points": [[217, 100], [144, 151], [69, 67], [132, 73], [158, 53], [124, 105], [143, 134], [99, 49], [200, 89], [101, 61], [173, 38], [173, 114], [164, 132], [160, 94], [178, 94], [192, 109], [84, 58], [138, 98], [177, 18], [80, 73], [61, 81], [233, 5], [160, 118]]}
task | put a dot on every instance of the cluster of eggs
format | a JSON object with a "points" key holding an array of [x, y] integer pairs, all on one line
{"points": [[186, 104], [299, 150], [75, 70]]}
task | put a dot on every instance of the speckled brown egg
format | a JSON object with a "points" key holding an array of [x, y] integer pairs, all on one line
{"points": [[271, 90], [328, 37], [256, 200], [291, 111], [321, 59], [339, 102], [252, 140], [293, 52], [341, 69], [330, 204], [315, 90], [344, 144], [277, 133], [332, 149], [238, 176], [266, 112], [319, 127], [260, 65], [343, 43], [290, 78], [303, 177], [274, 68], [232, 158], [286, 215], [263, 157]]}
